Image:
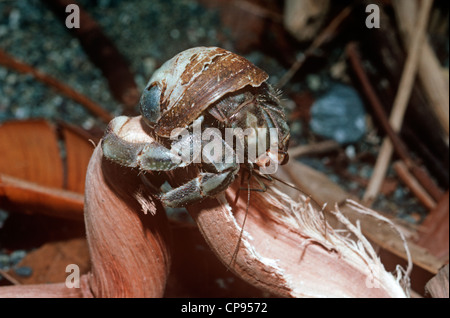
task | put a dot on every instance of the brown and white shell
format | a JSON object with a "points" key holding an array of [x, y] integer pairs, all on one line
{"points": [[194, 79]]}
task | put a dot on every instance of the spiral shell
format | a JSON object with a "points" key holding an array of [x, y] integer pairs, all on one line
{"points": [[187, 84]]}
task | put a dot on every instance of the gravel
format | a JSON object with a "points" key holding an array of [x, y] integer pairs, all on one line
{"points": [[146, 32]]}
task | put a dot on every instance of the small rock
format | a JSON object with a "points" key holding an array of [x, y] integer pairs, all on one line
{"points": [[16, 256], [14, 19], [365, 172], [24, 271], [399, 194], [4, 261], [104, 3], [314, 82], [3, 216], [353, 169], [339, 114], [334, 178], [175, 34], [3, 30], [296, 128], [350, 151], [149, 65], [11, 79], [416, 217]]}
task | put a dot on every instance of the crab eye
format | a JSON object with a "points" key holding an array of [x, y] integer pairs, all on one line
{"points": [[149, 104], [285, 157]]}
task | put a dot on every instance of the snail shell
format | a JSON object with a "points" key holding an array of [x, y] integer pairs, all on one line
{"points": [[187, 84]]}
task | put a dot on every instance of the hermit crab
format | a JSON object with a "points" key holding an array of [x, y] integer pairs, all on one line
{"points": [[206, 93]]}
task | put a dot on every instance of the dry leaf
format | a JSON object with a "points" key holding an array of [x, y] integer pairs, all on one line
{"points": [[35, 176], [49, 262]]}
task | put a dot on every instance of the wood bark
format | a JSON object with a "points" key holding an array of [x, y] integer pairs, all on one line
{"points": [[129, 249], [286, 247]]}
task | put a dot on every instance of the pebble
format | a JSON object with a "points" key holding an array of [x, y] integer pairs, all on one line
{"points": [[30, 32], [3, 30], [4, 261], [16, 256], [175, 34], [24, 271], [339, 114], [314, 82], [149, 65], [350, 151], [399, 194], [296, 129], [365, 171], [3, 216], [14, 19], [353, 169]]}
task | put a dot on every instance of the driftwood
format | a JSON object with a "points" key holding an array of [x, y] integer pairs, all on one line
{"points": [[282, 257], [421, 130], [416, 188], [399, 146], [436, 229], [438, 286], [286, 248], [389, 244], [429, 69], [128, 249], [400, 103], [314, 149]]}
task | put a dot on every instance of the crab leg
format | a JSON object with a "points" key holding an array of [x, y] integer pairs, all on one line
{"points": [[217, 176], [205, 185]]}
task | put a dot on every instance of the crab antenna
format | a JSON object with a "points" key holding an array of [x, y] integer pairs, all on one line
{"points": [[270, 178], [298, 189], [288, 184], [236, 250]]}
